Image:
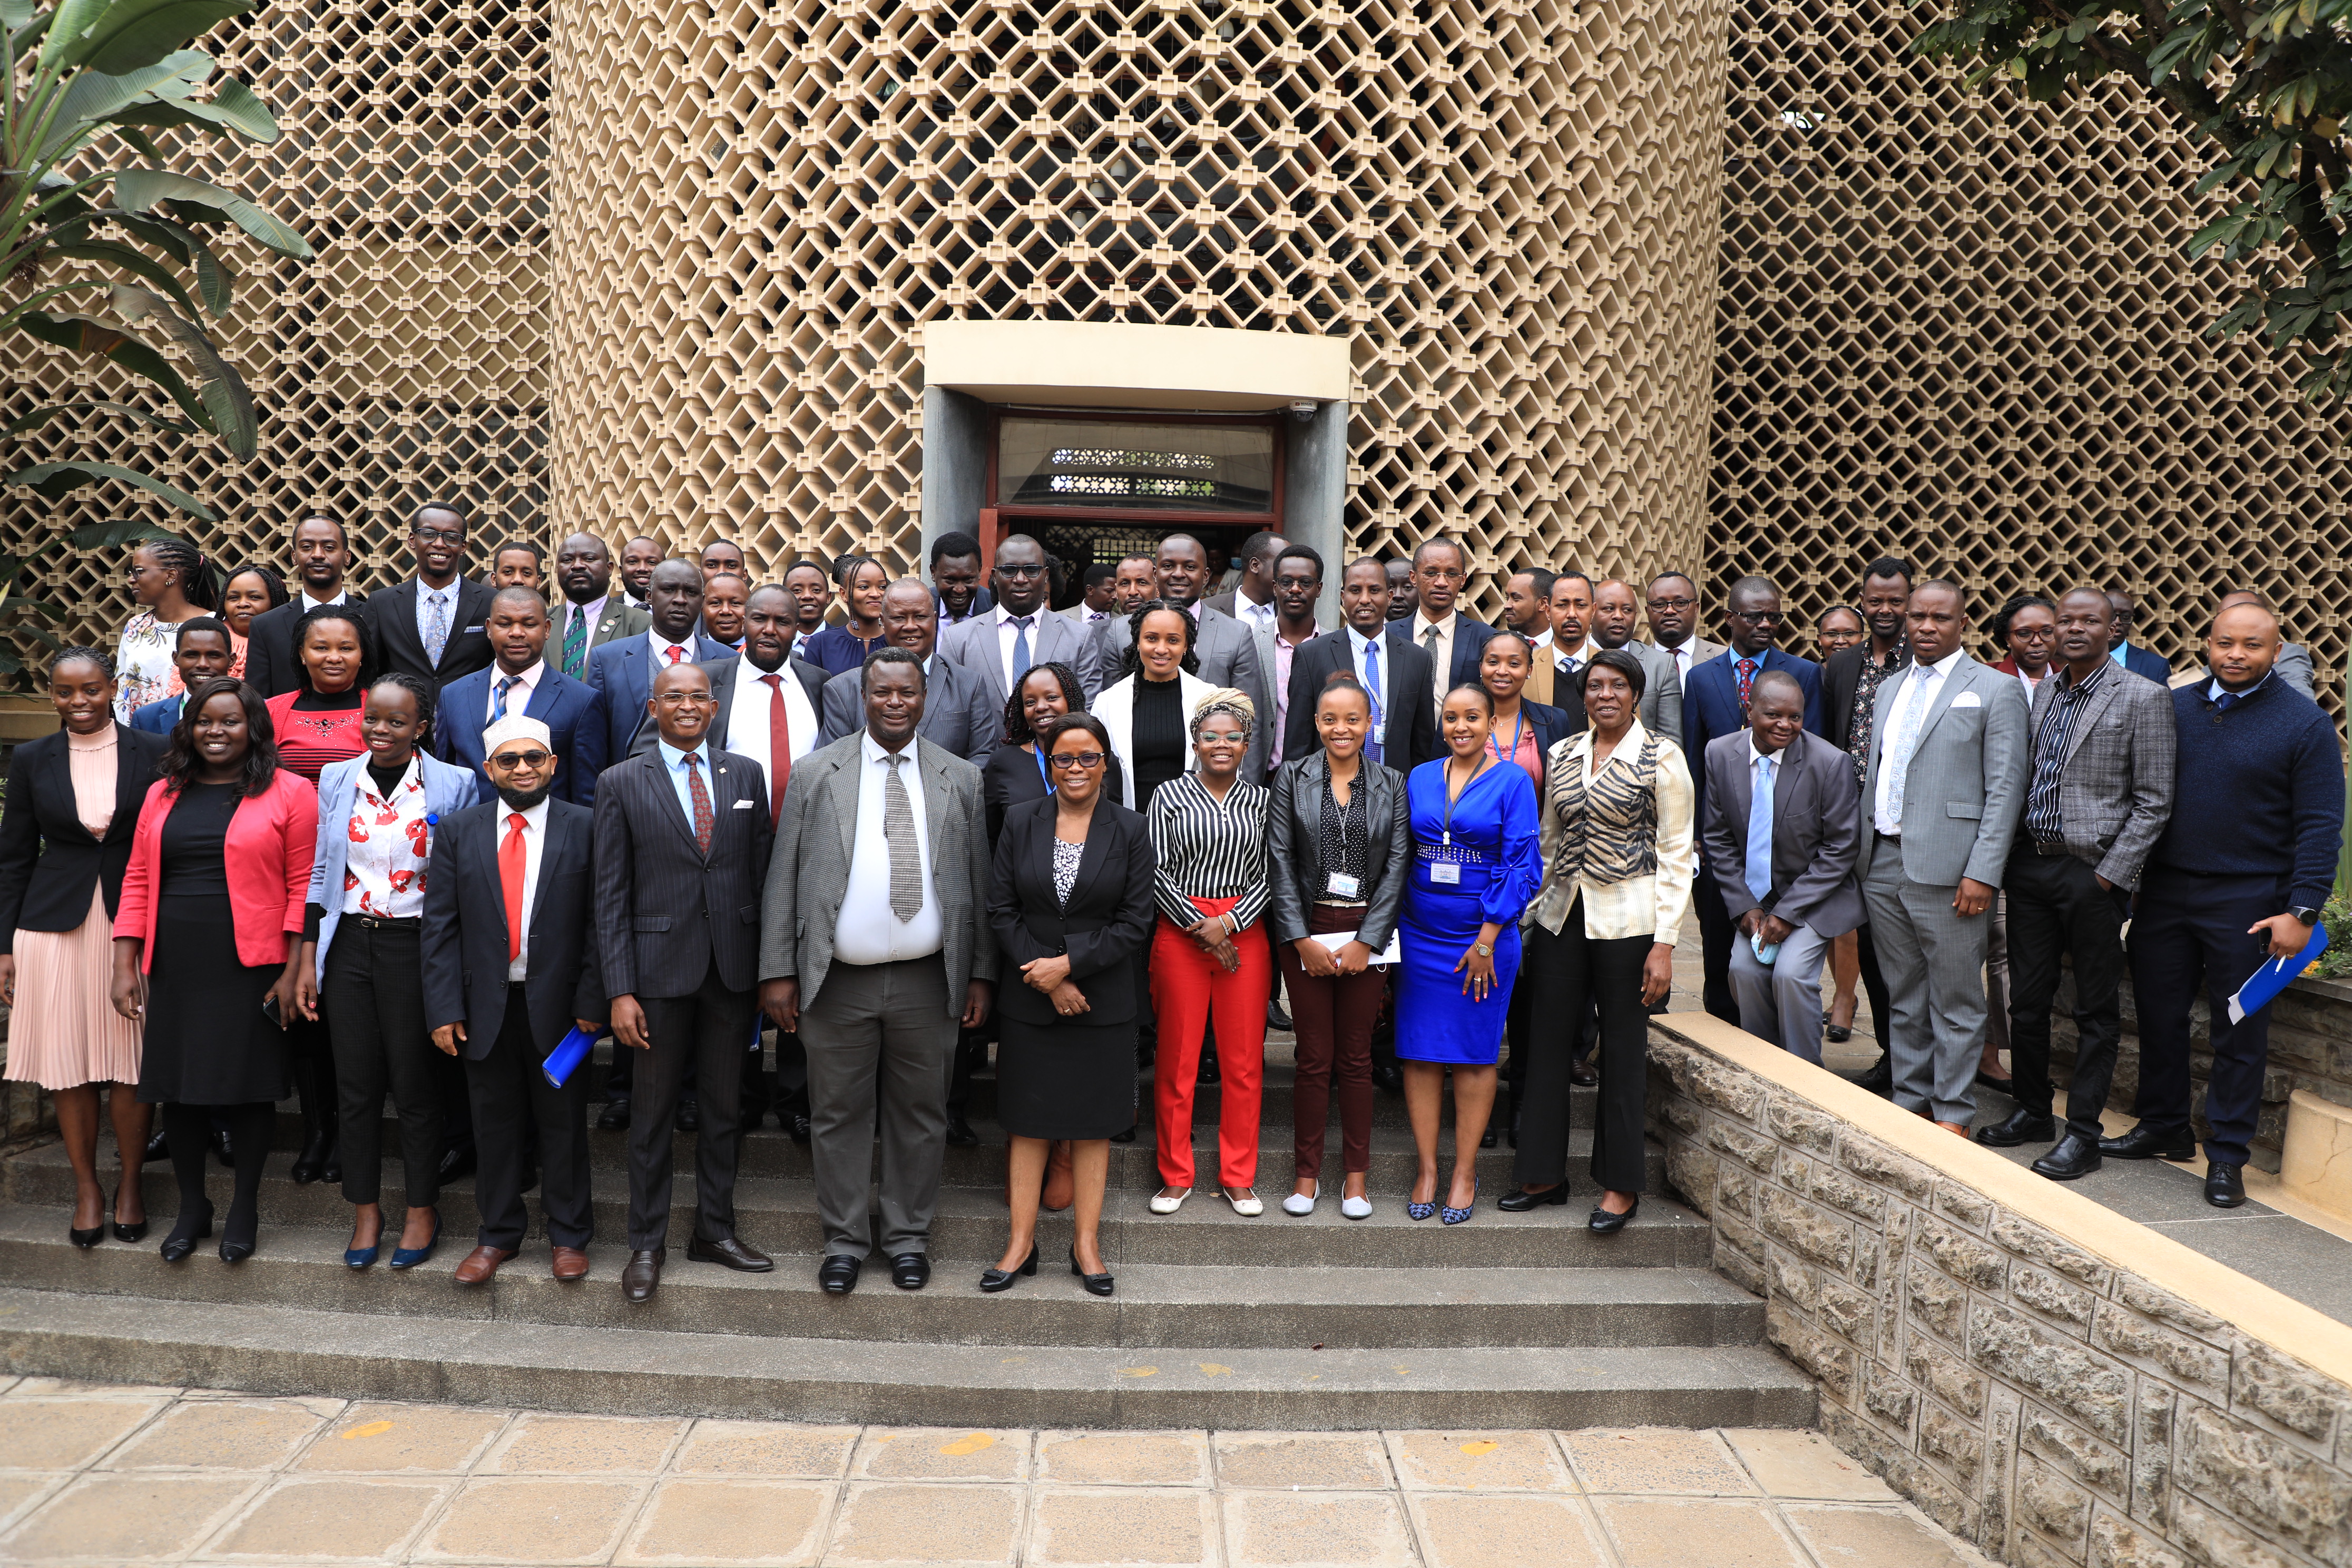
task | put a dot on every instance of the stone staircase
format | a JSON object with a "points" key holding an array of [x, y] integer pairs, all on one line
{"points": [[1219, 1321]]}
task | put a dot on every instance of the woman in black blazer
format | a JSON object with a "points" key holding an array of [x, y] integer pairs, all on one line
{"points": [[73, 805], [1071, 906], [1340, 840]]}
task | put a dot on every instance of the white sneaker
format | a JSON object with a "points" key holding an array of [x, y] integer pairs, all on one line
{"points": [[1356, 1208], [1162, 1203], [1246, 1206], [1301, 1205]]}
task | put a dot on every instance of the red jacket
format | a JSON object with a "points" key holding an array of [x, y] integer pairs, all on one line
{"points": [[270, 841]]}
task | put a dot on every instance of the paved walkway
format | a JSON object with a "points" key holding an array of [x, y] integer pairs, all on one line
{"points": [[117, 1475]]}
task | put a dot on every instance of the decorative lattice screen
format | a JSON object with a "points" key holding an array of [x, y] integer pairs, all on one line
{"points": [[407, 361], [1964, 331], [1509, 206]]}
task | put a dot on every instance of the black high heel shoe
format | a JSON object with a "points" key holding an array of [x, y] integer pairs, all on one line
{"points": [[134, 1232], [86, 1239], [1097, 1284], [1603, 1223], [992, 1281], [1520, 1201], [236, 1247], [184, 1238]]}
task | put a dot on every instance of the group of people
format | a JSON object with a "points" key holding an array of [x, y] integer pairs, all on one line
{"points": [[423, 838]]}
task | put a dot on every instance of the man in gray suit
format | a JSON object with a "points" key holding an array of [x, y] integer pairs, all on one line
{"points": [[957, 714], [1251, 598], [1227, 650], [872, 946], [1947, 782], [2100, 791], [1782, 834], [1614, 611], [999, 644]]}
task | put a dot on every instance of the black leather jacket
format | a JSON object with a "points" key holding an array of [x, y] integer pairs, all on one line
{"points": [[1294, 827]]}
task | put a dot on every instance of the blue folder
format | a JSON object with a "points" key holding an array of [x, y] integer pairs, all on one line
{"points": [[568, 1053], [2272, 976]]}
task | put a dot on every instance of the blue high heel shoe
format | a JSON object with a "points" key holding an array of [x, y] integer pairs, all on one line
{"points": [[358, 1257], [1453, 1215], [410, 1256], [1417, 1210]]}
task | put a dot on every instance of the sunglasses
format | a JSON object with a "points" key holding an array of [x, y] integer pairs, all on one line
{"points": [[1072, 761], [513, 760]]}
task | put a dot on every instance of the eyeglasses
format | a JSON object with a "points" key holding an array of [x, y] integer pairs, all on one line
{"points": [[1020, 571], [510, 761], [685, 699], [1760, 617], [441, 535], [1671, 603], [1075, 762]]}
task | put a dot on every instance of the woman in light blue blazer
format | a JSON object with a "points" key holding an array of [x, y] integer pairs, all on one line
{"points": [[361, 957]]}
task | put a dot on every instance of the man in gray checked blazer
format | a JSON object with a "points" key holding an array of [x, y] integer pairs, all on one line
{"points": [[2097, 796], [873, 947], [1939, 807]]}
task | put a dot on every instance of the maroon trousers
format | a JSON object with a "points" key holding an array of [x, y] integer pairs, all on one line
{"points": [[1332, 1019]]}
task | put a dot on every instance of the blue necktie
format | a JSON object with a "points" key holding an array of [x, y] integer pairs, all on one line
{"points": [[2227, 701], [1760, 832], [1020, 647], [1372, 684], [498, 699]]}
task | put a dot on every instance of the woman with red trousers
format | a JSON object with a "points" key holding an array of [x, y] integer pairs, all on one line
{"points": [[1209, 956]]}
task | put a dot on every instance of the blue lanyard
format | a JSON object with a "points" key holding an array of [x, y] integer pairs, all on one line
{"points": [[1518, 730], [1044, 777]]}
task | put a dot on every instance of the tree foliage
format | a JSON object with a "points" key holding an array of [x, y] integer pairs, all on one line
{"points": [[2266, 86], [83, 85]]}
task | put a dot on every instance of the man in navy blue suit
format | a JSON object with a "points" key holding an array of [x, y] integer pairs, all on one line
{"points": [[201, 653], [520, 682], [624, 669], [1714, 702], [2139, 661]]}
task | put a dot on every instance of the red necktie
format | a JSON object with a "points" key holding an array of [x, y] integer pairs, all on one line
{"points": [[676, 653], [703, 818], [780, 746], [1747, 667], [513, 858]]}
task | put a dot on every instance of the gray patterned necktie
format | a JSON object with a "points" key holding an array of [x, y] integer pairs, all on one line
{"points": [[437, 630], [906, 859]]}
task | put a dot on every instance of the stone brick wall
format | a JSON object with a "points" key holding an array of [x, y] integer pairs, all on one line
{"points": [[2027, 1391], [26, 1112], [2310, 1048]]}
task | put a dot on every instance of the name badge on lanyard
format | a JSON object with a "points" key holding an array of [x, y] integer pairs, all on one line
{"points": [[1343, 886], [1446, 871]]}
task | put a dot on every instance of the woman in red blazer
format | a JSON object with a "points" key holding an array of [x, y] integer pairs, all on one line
{"points": [[207, 945]]}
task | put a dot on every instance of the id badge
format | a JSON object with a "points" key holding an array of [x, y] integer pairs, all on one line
{"points": [[1343, 886], [1447, 873]]}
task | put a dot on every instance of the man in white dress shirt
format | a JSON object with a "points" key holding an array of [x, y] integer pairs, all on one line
{"points": [[999, 646], [1672, 606], [1455, 642]]}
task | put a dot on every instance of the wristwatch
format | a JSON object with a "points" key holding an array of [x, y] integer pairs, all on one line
{"points": [[1482, 950], [2307, 915]]}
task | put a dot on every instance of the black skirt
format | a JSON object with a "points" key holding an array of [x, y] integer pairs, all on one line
{"points": [[207, 1041], [1065, 1081]]}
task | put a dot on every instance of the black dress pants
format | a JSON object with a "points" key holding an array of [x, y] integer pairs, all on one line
{"points": [[1873, 985], [375, 995], [1716, 932], [511, 1095], [2057, 907], [708, 1029], [1571, 971], [2189, 933]]}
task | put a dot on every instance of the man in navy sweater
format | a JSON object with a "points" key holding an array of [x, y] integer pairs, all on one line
{"points": [[2238, 876]]}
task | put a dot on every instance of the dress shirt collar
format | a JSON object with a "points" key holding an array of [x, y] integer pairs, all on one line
{"points": [[1942, 666], [409, 775], [309, 604], [446, 594], [2069, 687], [1755, 756], [874, 752], [662, 645], [673, 759], [753, 672], [534, 818], [529, 675], [1357, 641], [1540, 643], [2214, 691], [1422, 623], [592, 612], [1005, 616], [2119, 654]]}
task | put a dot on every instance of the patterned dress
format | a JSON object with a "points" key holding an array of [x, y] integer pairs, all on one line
{"points": [[143, 671]]}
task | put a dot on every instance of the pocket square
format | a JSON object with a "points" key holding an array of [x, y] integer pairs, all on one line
{"points": [[742, 805], [1967, 699]]}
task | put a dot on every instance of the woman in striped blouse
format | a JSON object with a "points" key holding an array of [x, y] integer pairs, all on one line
{"points": [[1618, 856], [1208, 836]]}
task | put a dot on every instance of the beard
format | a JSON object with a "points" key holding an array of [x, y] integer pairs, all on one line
{"points": [[523, 800]]}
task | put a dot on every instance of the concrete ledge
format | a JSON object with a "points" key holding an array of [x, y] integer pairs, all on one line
{"points": [[2049, 1380]]}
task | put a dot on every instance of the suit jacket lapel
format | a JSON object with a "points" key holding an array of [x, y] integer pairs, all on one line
{"points": [[2110, 690], [1953, 684], [666, 798], [936, 788], [847, 771], [486, 861], [129, 789], [722, 694], [399, 619]]}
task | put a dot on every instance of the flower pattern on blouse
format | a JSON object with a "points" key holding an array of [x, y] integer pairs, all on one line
{"points": [[143, 671], [383, 872]]}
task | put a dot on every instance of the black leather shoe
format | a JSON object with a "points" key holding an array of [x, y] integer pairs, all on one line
{"points": [[459, 1161], [1275, 1018], [311, 1165], [730, 1253], [2225, 1188], [1388, 1076], [1489, 1138], [838, 1274], [2007, 1086], [992, 1280], [2020, 1126], [641, 1274], [2074, 1156], [159, 1146], [959, 1133], [1879, 1079], [1603, 1223], [1520, 1201], [222, 1151], [614, 1118], [2145, 1142], [1582, 1073], [1096, 1284], [1209, 1073], [911, 1270], [689, 1118], [185, 1234], [798, 1126]]}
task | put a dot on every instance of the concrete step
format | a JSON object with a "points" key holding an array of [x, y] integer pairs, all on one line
{"points": [[651, 1370], [778, 1214], [1163, 1304]]}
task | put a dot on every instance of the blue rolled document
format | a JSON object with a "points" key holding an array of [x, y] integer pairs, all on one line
{"points": [[2272, 976], [568, 1053]]}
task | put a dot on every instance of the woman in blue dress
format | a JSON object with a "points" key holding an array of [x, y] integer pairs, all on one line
{"points": [[1476, 862]]}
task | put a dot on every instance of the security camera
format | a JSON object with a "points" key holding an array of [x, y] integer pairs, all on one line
{"points": [[1304, 409]]}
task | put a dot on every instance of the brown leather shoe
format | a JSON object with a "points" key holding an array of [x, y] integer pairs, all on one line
{"points": [[1582, 1074], [571, 1263], [1953, 1127], [730, 1253], [641, 1274], [481, 1263]]}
